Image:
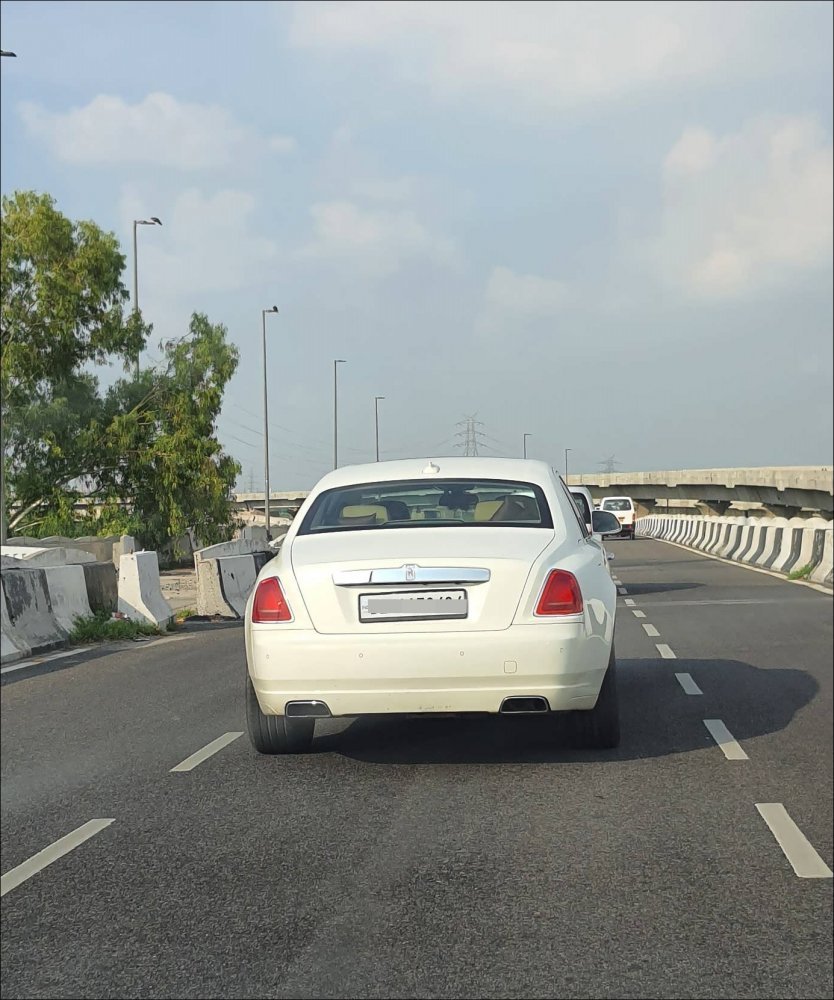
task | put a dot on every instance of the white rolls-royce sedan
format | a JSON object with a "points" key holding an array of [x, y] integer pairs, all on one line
{"points": [[448, 586]]}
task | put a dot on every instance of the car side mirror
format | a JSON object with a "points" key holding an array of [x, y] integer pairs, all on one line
{"points": [[604, 523]]}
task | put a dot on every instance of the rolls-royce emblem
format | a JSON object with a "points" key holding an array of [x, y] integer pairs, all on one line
{"points": [[410, 572]]}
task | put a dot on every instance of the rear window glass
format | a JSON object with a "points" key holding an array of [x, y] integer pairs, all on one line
{"points": [[581, 502], [436, 504], [618, 503]]}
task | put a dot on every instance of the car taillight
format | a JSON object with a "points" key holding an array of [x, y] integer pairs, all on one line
{"points": [[270, 605], [561, 595]]}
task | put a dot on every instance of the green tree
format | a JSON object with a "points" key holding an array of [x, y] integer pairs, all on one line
{"points": [[144, 454], [62, 297], [165, 459]]}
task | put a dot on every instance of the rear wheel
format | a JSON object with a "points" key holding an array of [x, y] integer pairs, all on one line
{"points": [[599, 728], [274, 734]]}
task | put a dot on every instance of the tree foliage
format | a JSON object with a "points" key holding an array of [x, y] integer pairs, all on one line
{"points": [[143, 454]]}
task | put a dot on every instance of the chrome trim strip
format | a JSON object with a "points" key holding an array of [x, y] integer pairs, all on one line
{"points": [[410, 573]]}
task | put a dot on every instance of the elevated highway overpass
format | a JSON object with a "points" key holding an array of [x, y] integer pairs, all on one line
{"points": [[783, 490]]}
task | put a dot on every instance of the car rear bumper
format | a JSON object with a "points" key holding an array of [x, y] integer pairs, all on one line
{"points": [[451, 672]]}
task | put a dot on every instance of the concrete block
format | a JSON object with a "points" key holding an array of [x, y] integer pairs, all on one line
{"points": [[125, 545], [29, 610], [67, 589], [12, 646], [140, 594], [824, 571], [47, 555], [237, 547], [102, 581], [224, 585]]}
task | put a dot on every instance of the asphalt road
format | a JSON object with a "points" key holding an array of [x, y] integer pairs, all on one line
{"points": [[427, 858]]}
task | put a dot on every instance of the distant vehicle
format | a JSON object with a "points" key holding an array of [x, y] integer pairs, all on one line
{"points": [[623, 509], [461, 585], [581, 496], [584, 501]]}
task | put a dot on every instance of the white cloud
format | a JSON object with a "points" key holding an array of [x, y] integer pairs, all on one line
{"points": [[748, 210], [159, 130], [207, 244], [376, 243], [525, 294], [395, 189], [544, 53], [282, 144], [512, 299]]}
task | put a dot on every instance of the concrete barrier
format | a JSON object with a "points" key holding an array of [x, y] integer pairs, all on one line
{"points": [[12, 646], [224, 584], [47, 555], [102, 580], [101, 548], [29, 610], [779, 544], [824, 572], [140, 594], [67, 588]]}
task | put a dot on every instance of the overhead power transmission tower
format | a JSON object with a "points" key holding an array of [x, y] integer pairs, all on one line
{"points": [[609, 464], [473, 438]]}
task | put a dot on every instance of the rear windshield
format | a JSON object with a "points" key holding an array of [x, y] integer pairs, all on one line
{"points": [[582, 503], [617, 503], [476, 503]]}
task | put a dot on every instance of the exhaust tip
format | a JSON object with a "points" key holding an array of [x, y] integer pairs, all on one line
{"points": [[518, 705], [306, 710]]}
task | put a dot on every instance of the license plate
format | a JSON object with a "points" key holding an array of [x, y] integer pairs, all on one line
{"points": [[413, 605]]}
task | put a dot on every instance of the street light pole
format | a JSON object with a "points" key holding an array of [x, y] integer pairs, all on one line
{"points": [[566, 462], [336, 363], [11, 55], [274, 309], [376, 423], [152, 221], [524, 444]]}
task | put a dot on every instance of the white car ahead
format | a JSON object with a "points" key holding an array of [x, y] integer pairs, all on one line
{"points": [[623, 509], [453, 586]]}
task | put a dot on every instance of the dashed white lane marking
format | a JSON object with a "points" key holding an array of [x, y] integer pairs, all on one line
{"points": [[616, 580], [629, 602], [725, 739], [622, 590], [688, 684], [639, 614], [44, 659], [665, 651], [207, 751], [795, 845], [39, 861], [651, 630]]}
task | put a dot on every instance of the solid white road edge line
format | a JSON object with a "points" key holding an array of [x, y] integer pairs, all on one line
{"points": [[665, 651], [725, 739], [39, 861], [39, 661], [208, 751], [688, 684], [651, 630], [795, 845], [639, 614]]}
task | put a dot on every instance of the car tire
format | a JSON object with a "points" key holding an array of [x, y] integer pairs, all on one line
{"points": [[599, 728], [275, 734]]}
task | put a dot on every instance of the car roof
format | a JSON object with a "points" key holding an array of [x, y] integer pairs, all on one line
{"points": [[428, 469], [617, 497]]}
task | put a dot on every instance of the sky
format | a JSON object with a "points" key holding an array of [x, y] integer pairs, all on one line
{"points": [[605, 225]]}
